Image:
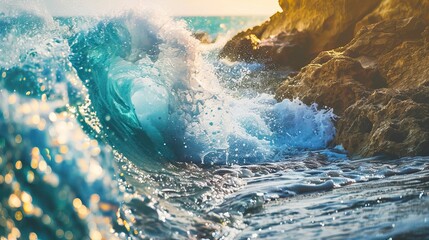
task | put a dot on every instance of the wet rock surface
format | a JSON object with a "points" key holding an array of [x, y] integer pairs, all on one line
{"points": [[313, 26], [303, 29], [377, 85], [368, 60], [388, 122], [288, 48], [388, 54]]}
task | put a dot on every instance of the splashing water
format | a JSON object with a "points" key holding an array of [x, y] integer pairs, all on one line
{"points": [[172, 94], [133, 126]]}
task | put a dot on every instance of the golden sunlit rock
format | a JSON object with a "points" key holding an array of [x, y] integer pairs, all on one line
{"points": [[125, 126]]}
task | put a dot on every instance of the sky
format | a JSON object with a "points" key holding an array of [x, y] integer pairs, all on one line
{"points": [[172, 7]]}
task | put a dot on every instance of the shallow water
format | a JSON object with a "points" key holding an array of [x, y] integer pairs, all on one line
{"points": [[126, 127]]}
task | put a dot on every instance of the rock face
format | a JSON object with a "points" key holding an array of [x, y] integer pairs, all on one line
{"points": [[289, 48], [332, 80], [310, 25], [396, 9], [381, 55], [387, 122], [379, 86], [368, 60]]}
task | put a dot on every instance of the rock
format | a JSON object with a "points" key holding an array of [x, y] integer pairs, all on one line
{"points": [[396, 9], [289, 48], [314, 26], [366, 59], [203, 37], [340, 77], [378, 84], [332, 80], [388, 122]]}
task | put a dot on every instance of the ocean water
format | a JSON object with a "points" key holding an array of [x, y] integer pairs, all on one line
{"points": [[222, 26], [126, 127]]}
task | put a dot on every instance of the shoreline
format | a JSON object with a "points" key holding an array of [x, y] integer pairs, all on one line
{"points": [[368, 66]]}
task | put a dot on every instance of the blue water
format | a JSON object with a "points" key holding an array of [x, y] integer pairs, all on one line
{"points": [[127, 127], [221, 26]]}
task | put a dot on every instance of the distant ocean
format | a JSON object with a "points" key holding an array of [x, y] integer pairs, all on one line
{"points": [[220, 25]]}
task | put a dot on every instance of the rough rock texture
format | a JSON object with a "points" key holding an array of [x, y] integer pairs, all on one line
{"points": [[377, 84], [388, 122], [381, 55], [332, 80], [290, 48], [369, 60], [396, 9], [313, 26]]}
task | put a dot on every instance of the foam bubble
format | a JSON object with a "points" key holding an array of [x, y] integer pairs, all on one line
{"points": [[180, 102]]}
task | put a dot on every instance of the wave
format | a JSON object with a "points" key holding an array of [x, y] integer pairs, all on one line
{"points": [[160, 96], [141, 87], [153, 92], [133, 100]]}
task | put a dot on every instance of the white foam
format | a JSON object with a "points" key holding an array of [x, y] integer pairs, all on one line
{"points": [[180, 102]]}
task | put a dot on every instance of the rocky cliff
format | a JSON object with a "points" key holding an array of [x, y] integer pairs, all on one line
{"points": [[303, 29], [307, 27], [368, 60]]}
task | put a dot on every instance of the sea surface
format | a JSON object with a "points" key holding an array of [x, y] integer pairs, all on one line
{"points": [[126, 127]]}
